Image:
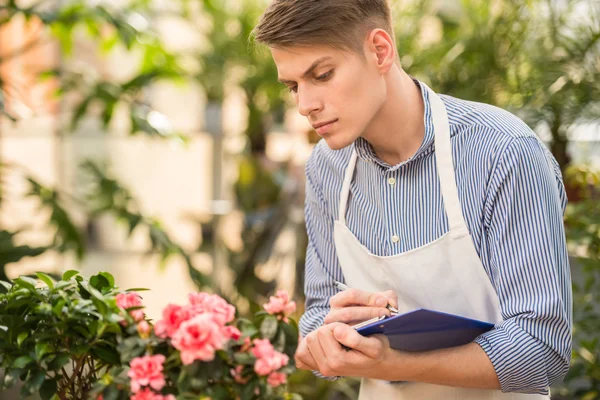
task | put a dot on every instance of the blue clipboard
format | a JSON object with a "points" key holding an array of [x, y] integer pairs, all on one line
{"points": [[424, 329]]}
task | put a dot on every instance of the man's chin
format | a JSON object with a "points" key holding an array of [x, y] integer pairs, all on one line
{"points": [[337, 143]]}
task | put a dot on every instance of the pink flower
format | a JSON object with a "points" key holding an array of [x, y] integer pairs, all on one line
{"points": [[262, 348], [128, 300], [198, 339], [277, 361], [276, 378], [280, 304], [173, 316], [268, 360], [211, 303], [144, 328], [146, 371], [231, 332], [262, 367], [147, 394]]}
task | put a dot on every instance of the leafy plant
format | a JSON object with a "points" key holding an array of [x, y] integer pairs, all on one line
{"points": [[59, 337]]}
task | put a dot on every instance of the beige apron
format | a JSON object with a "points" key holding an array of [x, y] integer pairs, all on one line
{"points": [[444, 275]]}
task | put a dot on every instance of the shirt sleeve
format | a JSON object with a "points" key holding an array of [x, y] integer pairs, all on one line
{"points": [[322, 266], [528, 264]]}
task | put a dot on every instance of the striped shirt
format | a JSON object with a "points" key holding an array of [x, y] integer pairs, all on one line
{"points": [[513, 199]]}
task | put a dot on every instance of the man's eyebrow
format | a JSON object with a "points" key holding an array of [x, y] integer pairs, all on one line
{"points": [[308, 71]]}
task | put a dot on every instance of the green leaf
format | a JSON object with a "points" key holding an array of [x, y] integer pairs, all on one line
{"points": [[22, 362], [6, 285], [26, 282], [57, 309], [107, 354], [99, 282], [69, 274], [41, 349], [60, 361], [48, 389], [268, 328], [244, 358], [34, 383], [109, 277], [22, 336], [47, 280]]}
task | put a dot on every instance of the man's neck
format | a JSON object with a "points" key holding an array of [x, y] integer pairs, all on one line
{"points": [[398, 129]]}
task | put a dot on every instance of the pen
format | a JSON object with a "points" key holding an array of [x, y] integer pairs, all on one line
{"points": [[343, 287]]}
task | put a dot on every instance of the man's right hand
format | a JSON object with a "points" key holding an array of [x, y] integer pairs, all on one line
{"points": [[353, 306]]}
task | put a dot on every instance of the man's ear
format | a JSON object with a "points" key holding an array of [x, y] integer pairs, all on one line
{"points": [[382, 48]]}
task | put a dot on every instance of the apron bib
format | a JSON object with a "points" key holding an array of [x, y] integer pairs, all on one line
{"points": [[444, 275]]}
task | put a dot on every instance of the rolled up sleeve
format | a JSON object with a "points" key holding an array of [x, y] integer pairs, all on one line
{"points": [[528, 264]]}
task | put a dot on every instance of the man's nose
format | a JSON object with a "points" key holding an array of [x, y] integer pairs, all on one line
{"points": [[307, 103]]}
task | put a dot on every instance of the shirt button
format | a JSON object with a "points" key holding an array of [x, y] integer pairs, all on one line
{"points": [[392, 181], [395, 239]]}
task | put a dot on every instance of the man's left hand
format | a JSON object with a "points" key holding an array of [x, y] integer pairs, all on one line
{"points": [[322, 350]]}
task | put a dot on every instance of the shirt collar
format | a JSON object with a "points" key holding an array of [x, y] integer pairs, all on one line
{"points": [[365, 151]]}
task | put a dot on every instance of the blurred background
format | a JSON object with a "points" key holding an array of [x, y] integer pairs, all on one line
{"points": [[150, 139]]}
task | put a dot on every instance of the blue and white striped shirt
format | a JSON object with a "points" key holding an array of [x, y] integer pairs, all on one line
{"points": [[513, 200]]}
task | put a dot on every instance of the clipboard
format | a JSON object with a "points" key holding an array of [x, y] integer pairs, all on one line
{"points": [[424, 329]]}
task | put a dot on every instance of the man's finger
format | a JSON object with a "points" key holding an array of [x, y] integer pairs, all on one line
{"points": [[356, 297], [314, 346], [392, 298], [350, 315], [349, 337], [304, 358]]}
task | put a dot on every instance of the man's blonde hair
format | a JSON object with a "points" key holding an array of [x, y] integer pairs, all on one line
{"points": [[341, 24]]}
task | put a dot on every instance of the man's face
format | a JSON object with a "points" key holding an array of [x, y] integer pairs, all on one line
{"points": [[339, 92]]}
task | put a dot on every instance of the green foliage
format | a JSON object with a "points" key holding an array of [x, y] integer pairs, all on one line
{"points": [[57, 337], [582, 222]]}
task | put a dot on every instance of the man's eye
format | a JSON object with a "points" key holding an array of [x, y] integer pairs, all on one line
{"points": [[293, 89], [325, 76]]}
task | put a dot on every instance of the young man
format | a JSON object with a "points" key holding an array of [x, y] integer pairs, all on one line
{"points": [[419, 200]]}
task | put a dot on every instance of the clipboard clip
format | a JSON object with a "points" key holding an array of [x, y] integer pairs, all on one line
{"points": [[370, 321]]}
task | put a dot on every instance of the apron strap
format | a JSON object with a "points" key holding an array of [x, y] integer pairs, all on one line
{"points": [[445, 165], [346, 188]]}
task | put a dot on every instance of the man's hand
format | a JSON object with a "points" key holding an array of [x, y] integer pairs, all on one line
{"points": [[322, 350], [353, 306]]}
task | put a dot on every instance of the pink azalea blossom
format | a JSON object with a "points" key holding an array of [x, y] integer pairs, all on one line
{"points": [[222, 311], [280, 304], [144, 328], [199, 339], [262, 348], [268, 360], [173, 316], [128, 300], [147, 394], [274, 362], [146, 371], [231, 332], [276, 378], [262, 367]]}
